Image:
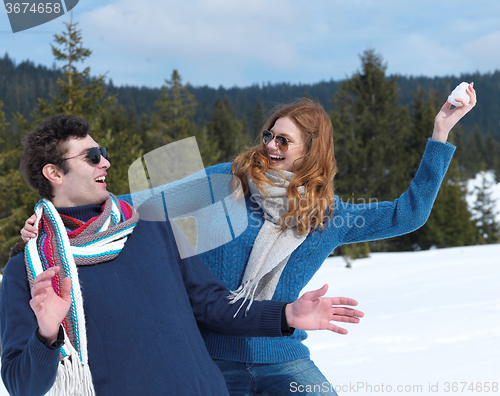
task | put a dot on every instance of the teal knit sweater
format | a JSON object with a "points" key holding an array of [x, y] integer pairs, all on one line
{"points": [[349, 223]]}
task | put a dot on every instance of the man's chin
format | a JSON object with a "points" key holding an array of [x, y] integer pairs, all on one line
{"points": [[102, 198], [105, 196]]}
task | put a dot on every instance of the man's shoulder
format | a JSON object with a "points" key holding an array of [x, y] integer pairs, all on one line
{"points": [[153, 220], [221, 169], [15, 266]]}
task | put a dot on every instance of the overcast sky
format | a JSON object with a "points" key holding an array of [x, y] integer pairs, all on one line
{"points": [[233, 42]]}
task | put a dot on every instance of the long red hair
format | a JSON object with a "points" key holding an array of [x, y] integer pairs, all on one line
{"points": [[315, 172]]}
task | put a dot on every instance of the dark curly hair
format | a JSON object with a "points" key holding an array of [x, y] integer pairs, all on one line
{"points": [[46, 144]]}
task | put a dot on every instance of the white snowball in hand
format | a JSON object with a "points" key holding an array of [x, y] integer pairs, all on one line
{"points": [[459, 93]]}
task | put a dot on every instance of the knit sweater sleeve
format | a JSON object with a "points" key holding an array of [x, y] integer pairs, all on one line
{"points": [[28, 366], [380, 220], [183, 198], [211, 307]]}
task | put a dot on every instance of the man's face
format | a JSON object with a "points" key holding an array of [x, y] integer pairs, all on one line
{"points": [[84, 183]]}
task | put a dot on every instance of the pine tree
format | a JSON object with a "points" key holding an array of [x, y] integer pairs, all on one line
{"points": [[82, 96], [354, 251], [492, 152], [370, 132], [485, 208], [423, 111], [496, 169], [173, 119], [15, 196], [77, 94], [3, 124], [476, 153], [258, 119], [226, 130], [209, 148], [120, 133], [458, 139]]}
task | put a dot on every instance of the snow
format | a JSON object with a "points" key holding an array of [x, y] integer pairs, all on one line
{"points": [[459, 93], [431, 317], [431, 325]]}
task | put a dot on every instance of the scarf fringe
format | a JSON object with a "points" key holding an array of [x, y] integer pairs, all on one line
{"points": [[246, 292], [73, 378]]}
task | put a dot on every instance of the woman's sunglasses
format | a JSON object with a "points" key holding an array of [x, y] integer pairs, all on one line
{"points": [[93, 155], [281, 141]]}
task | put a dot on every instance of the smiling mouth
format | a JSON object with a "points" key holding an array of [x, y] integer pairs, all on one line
{"points": [[275, 157], [100, 179]]}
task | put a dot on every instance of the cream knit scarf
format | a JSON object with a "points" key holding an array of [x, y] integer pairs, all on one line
{"points": [[272, 248]]}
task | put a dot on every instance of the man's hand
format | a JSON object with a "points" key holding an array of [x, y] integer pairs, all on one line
{"points": [[314, 312], [50, 309]]}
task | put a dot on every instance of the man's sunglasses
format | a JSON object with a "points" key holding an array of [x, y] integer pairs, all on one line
{"points": [[93, 155], [281, 141]]}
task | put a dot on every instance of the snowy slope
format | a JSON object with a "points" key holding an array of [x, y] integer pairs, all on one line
{"points": [[430, 317]]}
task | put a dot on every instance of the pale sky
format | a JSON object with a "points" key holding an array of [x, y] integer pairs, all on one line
{"points": [[240, 43]]}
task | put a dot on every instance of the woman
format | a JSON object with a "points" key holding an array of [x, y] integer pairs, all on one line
{"points": [[294, 223]]}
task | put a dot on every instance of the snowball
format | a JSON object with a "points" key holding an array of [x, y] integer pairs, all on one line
{"points": [[459, 93]]}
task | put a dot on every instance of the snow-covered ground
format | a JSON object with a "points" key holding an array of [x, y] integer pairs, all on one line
{"points": [[431, 325], [432, 318]]}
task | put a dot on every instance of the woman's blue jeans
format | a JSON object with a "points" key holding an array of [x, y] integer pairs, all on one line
{"points": [[298, 377]]}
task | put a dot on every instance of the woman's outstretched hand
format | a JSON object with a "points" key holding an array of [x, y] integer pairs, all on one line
{"points": [[29, 231], [314, 312], [447, 118]]}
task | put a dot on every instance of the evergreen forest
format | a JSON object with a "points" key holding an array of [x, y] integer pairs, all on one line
{"points": [[381, 126]]}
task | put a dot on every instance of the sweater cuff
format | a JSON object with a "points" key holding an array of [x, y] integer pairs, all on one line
{"points": [[271, 318], [285, 329], [40, 353], [438, 155], [57, 343], [446, 147]]}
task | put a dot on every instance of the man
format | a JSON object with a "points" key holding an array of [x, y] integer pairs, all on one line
{"points": [[101, 303]]}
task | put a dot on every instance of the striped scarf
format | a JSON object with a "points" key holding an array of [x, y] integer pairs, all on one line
{"points": [[69, 243]]}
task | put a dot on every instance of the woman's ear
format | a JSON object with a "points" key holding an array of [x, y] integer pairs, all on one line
{"points": [[52, 173]]}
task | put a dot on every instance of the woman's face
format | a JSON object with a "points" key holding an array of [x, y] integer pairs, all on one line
{"points": [[284, 160]]}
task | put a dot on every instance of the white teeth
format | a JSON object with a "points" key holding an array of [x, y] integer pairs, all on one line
{"points": [[100, 179], [277, 157]]}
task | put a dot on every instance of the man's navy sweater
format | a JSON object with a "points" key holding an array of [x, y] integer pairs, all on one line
{"points": [[141, 310]]}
